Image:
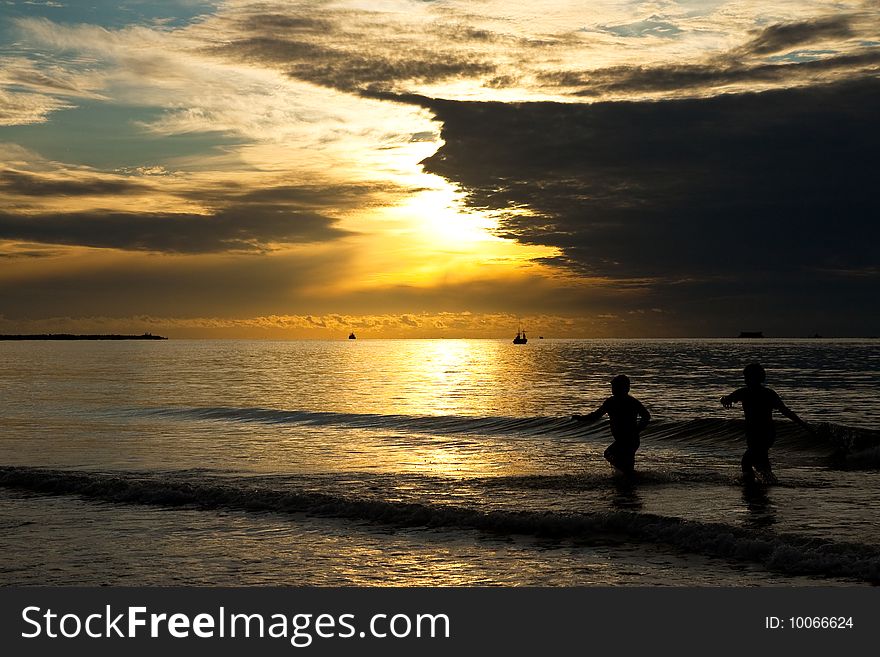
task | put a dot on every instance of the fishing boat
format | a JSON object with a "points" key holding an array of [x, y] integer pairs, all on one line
{"points": [[520, 337]]}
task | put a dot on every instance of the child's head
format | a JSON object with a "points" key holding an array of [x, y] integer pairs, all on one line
{"points": [[754, 374], [620, 385]]}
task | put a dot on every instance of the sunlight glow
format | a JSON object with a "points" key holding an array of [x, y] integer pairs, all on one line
{"points": [[440, 217]]}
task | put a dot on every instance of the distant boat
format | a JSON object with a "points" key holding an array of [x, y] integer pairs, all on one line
{"points": [[352, 336], [751, 334], [520, 337]]}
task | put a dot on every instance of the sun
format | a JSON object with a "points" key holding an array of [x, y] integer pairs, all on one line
{"points": [[432, 237], [441, 218]]}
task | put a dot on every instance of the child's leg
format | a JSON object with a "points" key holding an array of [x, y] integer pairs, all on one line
{"points": [[761, 457], [627, 460], [747, 463], [762, 465], [622, 455], [611, 453]]}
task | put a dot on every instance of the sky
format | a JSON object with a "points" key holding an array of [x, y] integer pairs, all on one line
{"points": [[446, 168]]}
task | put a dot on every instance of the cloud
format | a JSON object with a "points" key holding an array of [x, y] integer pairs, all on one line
{"points": [[24, 73], [152, 209], [108, 283], [28, 251], [338, 196], [653, 26], [739, 68], [782, 36], [155, 210], [22, 108], [252, 227], [328, 326], [32, 184], [679, 205], [445, 49], [31, 91], [342, 67], [737, 195], [725, 71]]}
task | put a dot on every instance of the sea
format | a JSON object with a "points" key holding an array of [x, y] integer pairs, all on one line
{"points": [[430, 463]]}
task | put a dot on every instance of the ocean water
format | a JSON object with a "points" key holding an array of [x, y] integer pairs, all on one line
{"points": [[429, 463]]}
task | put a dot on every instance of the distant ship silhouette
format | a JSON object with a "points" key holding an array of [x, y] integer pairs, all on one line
{"points": [[751, 334], [352, 336], [520, 337]]}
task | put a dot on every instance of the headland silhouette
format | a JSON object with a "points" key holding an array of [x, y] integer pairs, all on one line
{"points": [[71, 336]]}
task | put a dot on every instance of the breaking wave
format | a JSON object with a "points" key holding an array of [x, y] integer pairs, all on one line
{"points": [[846, 447], [786, 553]]}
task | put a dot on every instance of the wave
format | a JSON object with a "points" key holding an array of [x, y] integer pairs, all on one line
{"points": [[846, 446], [854, 449], [638, 480], [788, 553], [439, 424]]}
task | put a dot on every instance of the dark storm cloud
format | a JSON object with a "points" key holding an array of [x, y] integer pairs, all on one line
{"points": [[30, 184], [788, 35], [720, 202], [252, 227]]}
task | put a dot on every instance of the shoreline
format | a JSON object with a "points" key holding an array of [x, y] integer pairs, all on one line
{"points": [[70, 336]]}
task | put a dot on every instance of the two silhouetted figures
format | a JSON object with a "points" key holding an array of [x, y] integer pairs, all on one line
{"points": [[628, 417]]}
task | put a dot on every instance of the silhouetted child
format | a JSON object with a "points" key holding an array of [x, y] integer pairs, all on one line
{"points": [[758, 403], [628, 417]]}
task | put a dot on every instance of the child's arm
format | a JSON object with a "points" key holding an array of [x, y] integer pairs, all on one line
{"points": [[728, 400], [595, 415], [780, 406], [791, 415], [644, 417]]}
